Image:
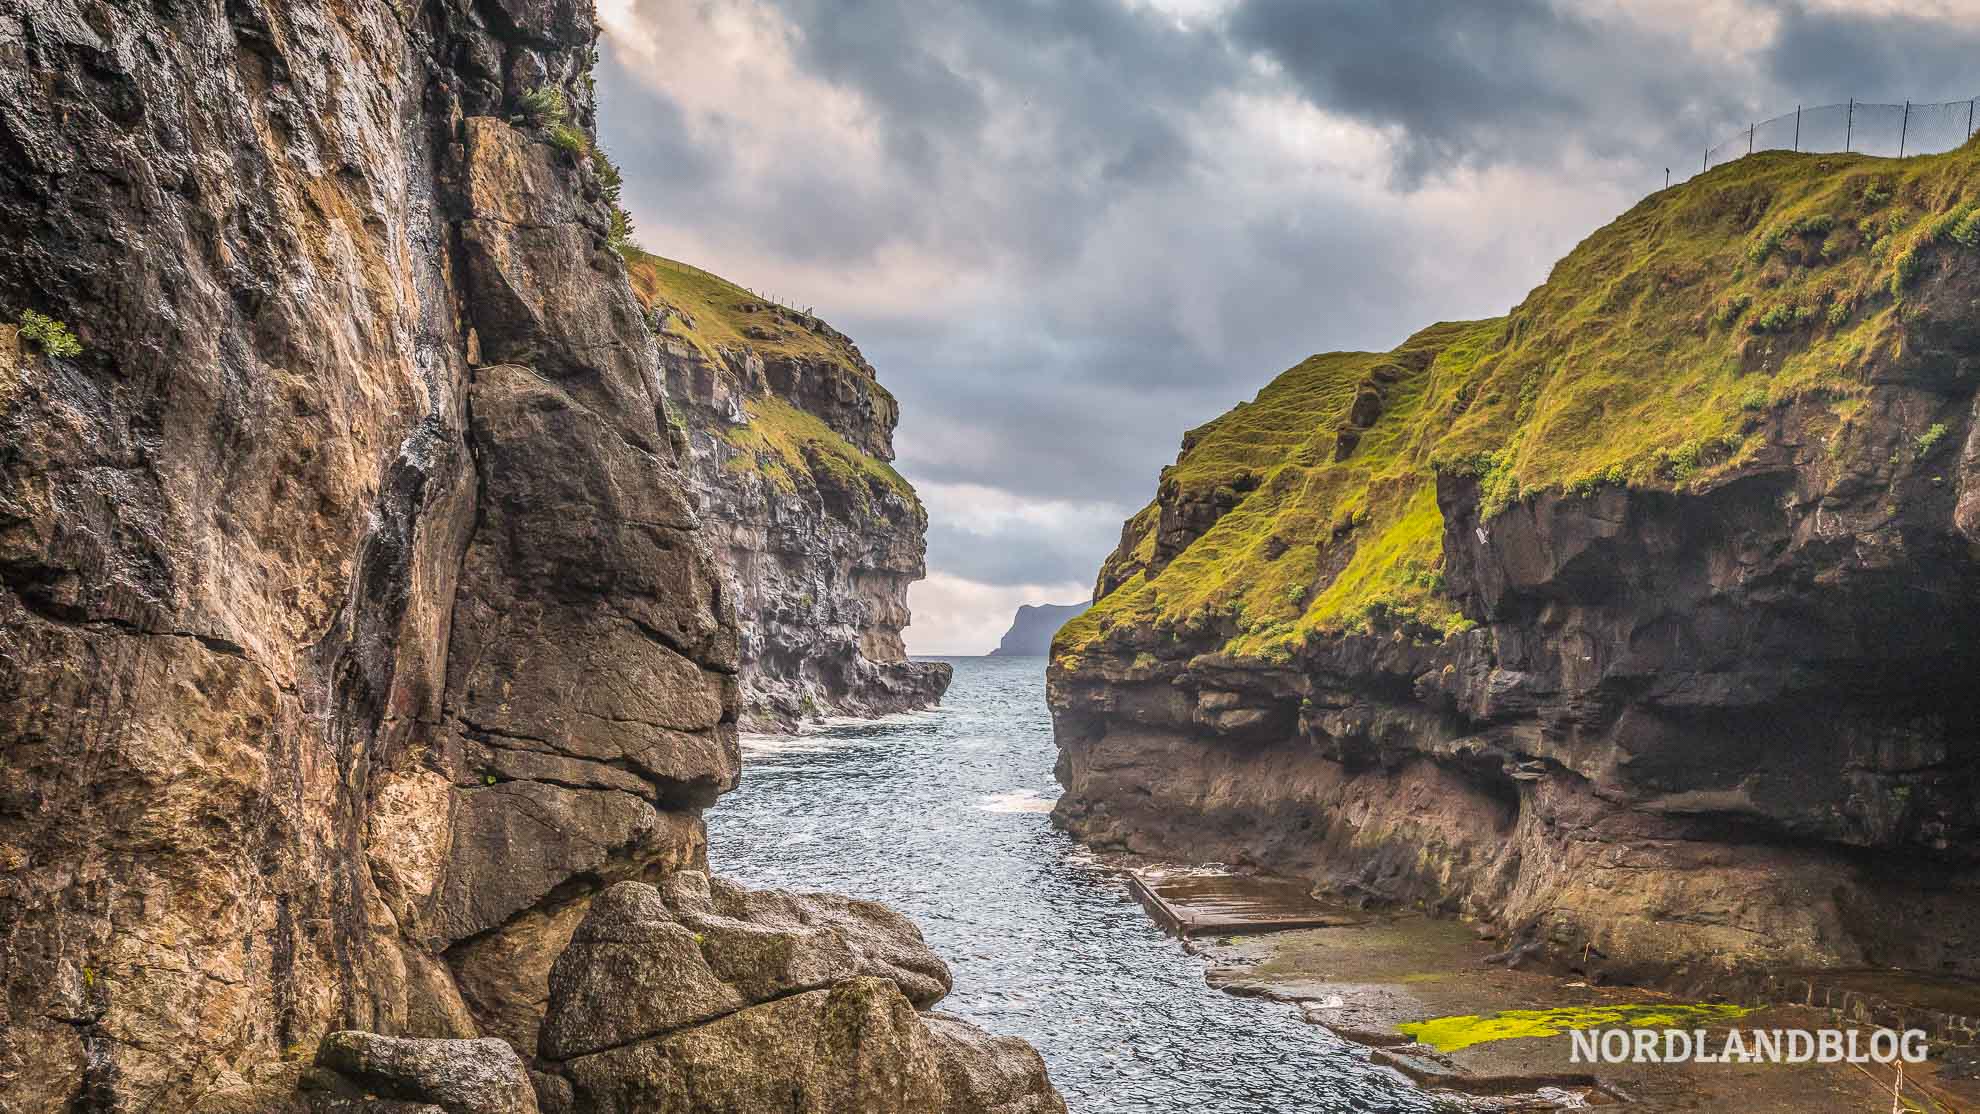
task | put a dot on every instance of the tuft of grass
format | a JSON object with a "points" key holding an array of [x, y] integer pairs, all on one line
{"points": [[570, 139], [1966, 233], [51, 336], [1929, 440], [612, 184], [544, 106]]}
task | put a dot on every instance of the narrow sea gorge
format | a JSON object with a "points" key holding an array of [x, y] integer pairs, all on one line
{"points": [[943, 815]]}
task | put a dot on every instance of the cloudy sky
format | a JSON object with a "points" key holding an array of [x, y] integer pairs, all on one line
{"points": [[1064, 232]]}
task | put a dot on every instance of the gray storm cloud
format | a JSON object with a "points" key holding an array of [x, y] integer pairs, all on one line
{"points": [[1067, 232]]}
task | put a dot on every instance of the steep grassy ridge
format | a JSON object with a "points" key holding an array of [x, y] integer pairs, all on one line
{"points": [[723, 322], [1646, 360]]}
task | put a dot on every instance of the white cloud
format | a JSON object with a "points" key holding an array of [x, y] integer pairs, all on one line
{"points": [[957, 617]]}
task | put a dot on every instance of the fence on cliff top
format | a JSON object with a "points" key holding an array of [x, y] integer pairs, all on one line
{"points": [[1892, 130]]}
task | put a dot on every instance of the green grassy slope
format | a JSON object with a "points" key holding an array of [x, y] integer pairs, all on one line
{"points": [[1644, 360], [789, 446]]}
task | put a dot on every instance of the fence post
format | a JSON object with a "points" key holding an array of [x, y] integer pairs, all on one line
{"points": [[1849, 126], [1705, 161], [1797, 127], [1969, 118], [1904, 128], [1749, 138]]}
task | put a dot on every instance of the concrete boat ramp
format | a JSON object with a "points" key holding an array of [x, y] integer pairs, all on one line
{"points": [[1203, 901], [1422, 995]]}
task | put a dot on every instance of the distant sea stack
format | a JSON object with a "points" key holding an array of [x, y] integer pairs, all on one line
{"points": [[1031, 631], [1641, 620], [790, 438]]}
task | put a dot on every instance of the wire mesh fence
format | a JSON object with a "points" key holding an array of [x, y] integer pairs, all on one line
{"points": [[1893, 130]]}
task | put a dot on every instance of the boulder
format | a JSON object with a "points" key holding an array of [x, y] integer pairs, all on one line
{"points": [[700, 995], [859, 1046], [647, 960], [400, 1075]]}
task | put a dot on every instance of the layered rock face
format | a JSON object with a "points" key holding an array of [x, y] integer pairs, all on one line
{"points": [[355, 625], [698, 995], [1637, 621], [790, 435]]}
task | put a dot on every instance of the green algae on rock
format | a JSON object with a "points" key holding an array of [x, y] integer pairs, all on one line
{"points": [[1449, 1034]]}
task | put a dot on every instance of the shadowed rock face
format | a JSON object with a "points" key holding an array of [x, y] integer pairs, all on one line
{"points": [[356, 626], [353, 621], [1690, 727]]}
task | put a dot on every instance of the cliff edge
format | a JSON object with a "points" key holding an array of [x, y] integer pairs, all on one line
{"points": [[1637, 620], [357, 627], [790, 437]]}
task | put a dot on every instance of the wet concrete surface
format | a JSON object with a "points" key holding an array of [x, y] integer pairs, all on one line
{"points": [[1365, 976], [1195, 902]]}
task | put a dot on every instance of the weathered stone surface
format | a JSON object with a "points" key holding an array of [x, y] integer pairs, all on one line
{"points": [[350, 603], [858, 1046], [701, 995], [357, 625], [649, 960], [988, 1074], [457, 1076]]}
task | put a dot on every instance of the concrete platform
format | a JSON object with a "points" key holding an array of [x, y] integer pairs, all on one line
{"points": [[1370, 983], [1199, 902]]}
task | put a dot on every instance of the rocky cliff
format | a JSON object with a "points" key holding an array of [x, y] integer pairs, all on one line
{"points": [[1638, 620], [789, 435], [1033, 626], [356, 625]]}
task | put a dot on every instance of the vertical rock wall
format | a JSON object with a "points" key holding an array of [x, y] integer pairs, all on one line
{"points": [[790, 435], [353, 629]]}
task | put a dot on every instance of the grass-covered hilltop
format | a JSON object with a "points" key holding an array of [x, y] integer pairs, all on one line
{"points": [[1651, 358], [723, 325], [1638, 620], [791, 437]]}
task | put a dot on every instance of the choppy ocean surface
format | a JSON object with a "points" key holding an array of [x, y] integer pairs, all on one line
{"points": [[944, 815]]}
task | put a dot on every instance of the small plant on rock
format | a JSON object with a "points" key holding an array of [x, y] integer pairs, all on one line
{"points": [[544, 106], [51, 336], [1929, 440], [570, 139]]}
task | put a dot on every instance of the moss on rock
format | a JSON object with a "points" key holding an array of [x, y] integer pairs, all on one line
{"points": [[1648, 358], [1449, 1034]]}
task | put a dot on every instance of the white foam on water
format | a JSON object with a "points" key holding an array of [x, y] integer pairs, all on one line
{"points": [[765, 746], [1017, 800]]}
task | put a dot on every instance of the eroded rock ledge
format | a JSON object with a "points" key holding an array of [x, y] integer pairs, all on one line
{"points": [[1665, 671]]}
